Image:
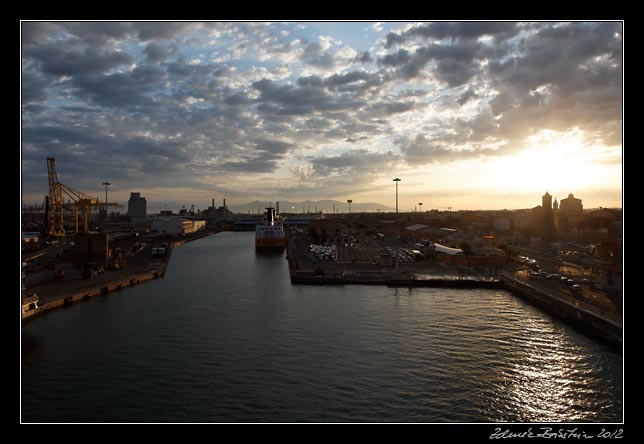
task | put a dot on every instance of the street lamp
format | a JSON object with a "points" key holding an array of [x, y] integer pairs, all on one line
{"points": [[397, 233], [106, 185], [349, 202]]}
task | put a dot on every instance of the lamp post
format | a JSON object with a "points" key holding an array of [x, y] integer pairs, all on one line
{"points": [[397, 233], [349, 202], [106, 185]]}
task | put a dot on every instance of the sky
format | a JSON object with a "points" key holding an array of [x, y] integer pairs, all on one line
{"points": [[469, 115]]}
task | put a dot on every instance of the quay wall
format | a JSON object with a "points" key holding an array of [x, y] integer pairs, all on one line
{"points": [[584, 317], [105, 288]]}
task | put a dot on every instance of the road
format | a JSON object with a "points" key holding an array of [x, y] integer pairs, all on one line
{"points": [[608, 306]]}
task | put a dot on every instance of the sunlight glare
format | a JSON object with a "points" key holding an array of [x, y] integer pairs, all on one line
{"points": [[550, 160]]}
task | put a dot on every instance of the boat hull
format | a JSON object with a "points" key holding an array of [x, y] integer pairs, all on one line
{"points": [[270, 243]]}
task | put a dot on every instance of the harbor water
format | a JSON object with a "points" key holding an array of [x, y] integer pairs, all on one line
{"points": [[225, 337]]}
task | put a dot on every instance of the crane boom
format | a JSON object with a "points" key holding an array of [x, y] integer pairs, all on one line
{"points": [[82, 203]]}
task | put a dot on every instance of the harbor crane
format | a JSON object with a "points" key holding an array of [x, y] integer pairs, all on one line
{"points": [[82, 203]]}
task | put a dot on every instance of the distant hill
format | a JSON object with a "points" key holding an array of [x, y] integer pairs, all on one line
{"points": [[311, 206]]}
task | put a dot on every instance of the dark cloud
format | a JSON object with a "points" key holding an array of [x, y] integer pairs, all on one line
{"points": [[355, 162], [454, 30], [129, 89], [157, 52], [420, 150], [237, 99], [33, 87], [314, 81], [98, 33], [456, 63], [343, 79], [364, 57], [466, 96], [36, 32], [161, 30], [69, 59], [565, 76], [262, 156], [291, 100], [398, 58]]}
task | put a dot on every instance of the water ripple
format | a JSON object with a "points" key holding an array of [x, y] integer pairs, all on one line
{"points": [[226, 337]]}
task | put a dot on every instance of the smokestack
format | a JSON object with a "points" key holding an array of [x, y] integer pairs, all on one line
{"points": [[224, 202], [277, 207], [213, 203]]}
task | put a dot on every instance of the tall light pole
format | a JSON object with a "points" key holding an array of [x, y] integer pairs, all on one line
{"points": [[420, 204], [349, 202], [106, 185], [397, 233]]}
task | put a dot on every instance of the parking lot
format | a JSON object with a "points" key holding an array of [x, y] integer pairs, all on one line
{"points": [[362, 251]]}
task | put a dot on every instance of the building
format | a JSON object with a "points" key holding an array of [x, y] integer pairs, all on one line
{"points": [[217, 214], [548, 214], [136, 206], [571, 206], [176, 225], [611, 253], [501, 224]]}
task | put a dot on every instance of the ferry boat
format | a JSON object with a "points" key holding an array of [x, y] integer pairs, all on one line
{"points": [[269, 233]]}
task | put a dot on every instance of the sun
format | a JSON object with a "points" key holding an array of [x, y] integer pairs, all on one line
{"points": [[553, 161]]}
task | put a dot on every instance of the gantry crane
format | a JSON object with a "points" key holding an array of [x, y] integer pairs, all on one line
{"points": [[82, 203]]}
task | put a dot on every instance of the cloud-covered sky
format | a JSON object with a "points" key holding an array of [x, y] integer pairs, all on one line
{"points": [[468, 114]]}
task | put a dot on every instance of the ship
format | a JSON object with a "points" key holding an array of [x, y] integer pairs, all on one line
{"points": [[269, 233]]}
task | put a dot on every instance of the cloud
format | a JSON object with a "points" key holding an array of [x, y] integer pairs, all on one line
{"points": [[316, 54], [359, 161], [36, 32], [454, 30], [69, 59], [272, 101], [466, 96], [420, 150], [363, 57], [455, 63], [566, 76], [294, 100], [121, 89], [157, 52], [162, 30], [34, 87], [261, 156]]}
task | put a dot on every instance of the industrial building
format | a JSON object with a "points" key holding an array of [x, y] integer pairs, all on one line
{"points": [[136, 206], [176, 225]]}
